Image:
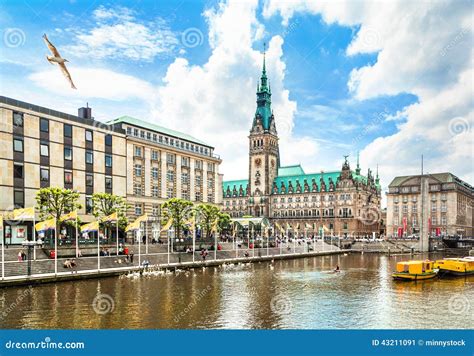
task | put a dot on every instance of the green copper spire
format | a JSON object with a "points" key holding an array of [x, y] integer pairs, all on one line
{"points": [[377, 179], [264, 95], [358, 167]]}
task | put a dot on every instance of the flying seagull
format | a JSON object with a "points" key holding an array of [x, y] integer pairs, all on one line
{"points": [[56, 58]]}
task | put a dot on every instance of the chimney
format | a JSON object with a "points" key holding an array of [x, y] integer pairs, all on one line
{"points": [[85, 113]]}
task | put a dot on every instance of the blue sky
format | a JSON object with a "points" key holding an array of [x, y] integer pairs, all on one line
{"points": [[391, 81]]}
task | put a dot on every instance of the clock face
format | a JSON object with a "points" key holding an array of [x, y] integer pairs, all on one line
{"points": [[258, 161]]}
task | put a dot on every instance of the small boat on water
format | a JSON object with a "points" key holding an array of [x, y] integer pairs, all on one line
{"points": [[414, 270], [456, 266]]}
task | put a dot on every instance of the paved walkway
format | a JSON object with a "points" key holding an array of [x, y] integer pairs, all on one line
{"points": [[42, 269]]}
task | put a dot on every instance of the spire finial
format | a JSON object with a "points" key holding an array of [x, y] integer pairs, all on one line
{"points": [[358, 167], [264, 50]]}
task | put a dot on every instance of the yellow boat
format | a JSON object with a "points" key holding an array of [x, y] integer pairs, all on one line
{"points": [[414, 270], [456, 266]]}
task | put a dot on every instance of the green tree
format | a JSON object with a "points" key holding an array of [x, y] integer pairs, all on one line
{"points": [[54, 202], [104, 204], [207, 215], [179, 210]]}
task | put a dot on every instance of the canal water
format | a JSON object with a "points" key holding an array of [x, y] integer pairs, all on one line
{"points": [[294, 294]]}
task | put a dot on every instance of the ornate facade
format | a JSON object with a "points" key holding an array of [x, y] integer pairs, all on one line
{"points": [[344, 202]]}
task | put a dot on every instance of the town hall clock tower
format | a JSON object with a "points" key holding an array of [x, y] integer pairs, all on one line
{"points": [[264, 157]]}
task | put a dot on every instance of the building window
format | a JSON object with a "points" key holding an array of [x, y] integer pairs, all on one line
{"points": [[44, 125], [148, 135], [18, 144], [138, 170], [44, 174], [108, 140], [138, 151], [155, 137], [108, 160], [444, 220], [154, 172], [44, 150], [129, 130], [184, 178], [395, 209], [198, 196], [17, 119], [405, 209], [138, 209], [155, 191], [68, 153], [142, 134], [155, 210], [185, 161], [210, 197], [154, 155], [137, 189], [108, 182], [211, 167], [18, 171], [135, 132], [19, 198], [198, 181], [67, 130], [170, 158], [89, 157], [89, 135], [170, 176], [67, 177], [169, 192], [89, 180], [89, 205]]}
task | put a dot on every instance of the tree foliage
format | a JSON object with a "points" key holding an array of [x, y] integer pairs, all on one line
{"points": [[206, 215], [54, 202], [104, 204], [179, 210]]}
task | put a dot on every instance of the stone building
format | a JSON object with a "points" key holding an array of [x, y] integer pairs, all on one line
{"points": [[163, 164], [446, 204], [341, 202]]}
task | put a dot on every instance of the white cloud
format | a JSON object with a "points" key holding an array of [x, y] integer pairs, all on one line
{"points": [[424, 48], [216, 101], [118, 34], [94, 83]]}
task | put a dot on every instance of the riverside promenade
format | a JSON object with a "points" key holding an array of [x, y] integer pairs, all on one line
{"points": [[43, 269]]}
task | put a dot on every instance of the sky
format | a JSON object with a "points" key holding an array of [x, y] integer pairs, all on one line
{"points": [[390, 79]]}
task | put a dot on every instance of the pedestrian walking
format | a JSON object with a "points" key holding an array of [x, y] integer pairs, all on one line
{"points": [[131, 256]]}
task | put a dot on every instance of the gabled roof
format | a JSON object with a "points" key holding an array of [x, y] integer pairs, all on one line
{"points": [[147, 125], [235, 184], [293, 170], [308, 177]]}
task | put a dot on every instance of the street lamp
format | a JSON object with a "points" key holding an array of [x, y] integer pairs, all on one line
{"points": [[30, 245]]}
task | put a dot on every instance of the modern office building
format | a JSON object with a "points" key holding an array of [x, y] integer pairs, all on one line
{"points": [[145, 163], [41, 147], [446, 204], [342, 202]]}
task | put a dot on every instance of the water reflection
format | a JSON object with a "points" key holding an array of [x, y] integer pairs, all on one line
{"points": [[303, 293]]}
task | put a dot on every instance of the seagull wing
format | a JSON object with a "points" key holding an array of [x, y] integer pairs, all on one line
{"points": [[66, 74], [51, 47]]}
